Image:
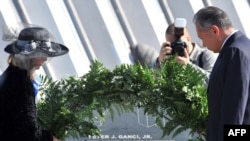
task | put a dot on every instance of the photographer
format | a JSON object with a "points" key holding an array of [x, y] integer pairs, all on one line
{"points": [[198, 57]]}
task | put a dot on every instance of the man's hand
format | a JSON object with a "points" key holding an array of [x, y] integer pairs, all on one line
{"points": [[183, 60], [165, 51]]}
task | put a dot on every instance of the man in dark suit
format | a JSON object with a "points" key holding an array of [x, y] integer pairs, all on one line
{"points": [[229, 84]]}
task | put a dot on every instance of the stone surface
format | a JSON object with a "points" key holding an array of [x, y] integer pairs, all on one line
{"points": [[132, 126]]}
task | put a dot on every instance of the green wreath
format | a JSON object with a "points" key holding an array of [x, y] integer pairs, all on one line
{"points": [[174, 92]]}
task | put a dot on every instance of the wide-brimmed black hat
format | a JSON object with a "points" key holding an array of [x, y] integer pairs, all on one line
{"points": [[36, 42]]}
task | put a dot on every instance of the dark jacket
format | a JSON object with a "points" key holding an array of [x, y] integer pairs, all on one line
{"points": [[229, 87], [18, 120]]}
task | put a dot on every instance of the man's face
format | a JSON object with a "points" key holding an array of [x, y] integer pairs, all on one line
{"points": [[184, 38], [208, 38], [172, 38]]}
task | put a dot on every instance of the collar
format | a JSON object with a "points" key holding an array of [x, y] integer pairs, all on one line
{"points": [[228, 38]]}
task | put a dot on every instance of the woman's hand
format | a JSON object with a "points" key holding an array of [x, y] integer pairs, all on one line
{"points": [[55, 139]]}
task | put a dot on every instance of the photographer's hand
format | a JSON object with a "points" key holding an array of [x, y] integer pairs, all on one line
{"points": [[183, 60], [165, 51]]}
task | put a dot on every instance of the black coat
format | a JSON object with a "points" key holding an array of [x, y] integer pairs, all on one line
{"points": [[18, 119]]}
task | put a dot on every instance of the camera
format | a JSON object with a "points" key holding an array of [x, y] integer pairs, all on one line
{"points": [[178, 46]]}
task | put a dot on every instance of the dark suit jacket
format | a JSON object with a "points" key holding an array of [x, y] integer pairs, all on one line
{"points": [[229, 87]]}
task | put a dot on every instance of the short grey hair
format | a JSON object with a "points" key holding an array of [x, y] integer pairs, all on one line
{"points": [[208, 16]]}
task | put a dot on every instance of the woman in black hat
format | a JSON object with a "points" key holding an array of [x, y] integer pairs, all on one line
{"points": [[18, 119]]}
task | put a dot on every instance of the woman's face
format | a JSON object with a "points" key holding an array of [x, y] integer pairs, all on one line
{"points": [[36, 63]]}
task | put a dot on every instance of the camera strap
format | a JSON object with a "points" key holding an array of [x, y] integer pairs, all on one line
{"points": [[200, 60]]}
